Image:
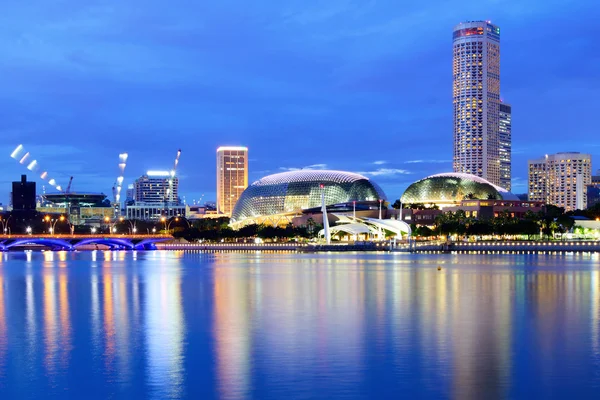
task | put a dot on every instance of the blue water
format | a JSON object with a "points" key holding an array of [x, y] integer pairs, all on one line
{"points": [[164, 325]]}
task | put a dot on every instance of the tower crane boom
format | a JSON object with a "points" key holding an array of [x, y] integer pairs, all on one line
{"points": [[68, 189], [171, 195]]}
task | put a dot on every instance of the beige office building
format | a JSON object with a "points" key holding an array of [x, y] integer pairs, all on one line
{"points": [[232, 177], [561, 179]]}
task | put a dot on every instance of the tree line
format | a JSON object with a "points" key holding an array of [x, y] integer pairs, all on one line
{"points": [[218, 229], [545, 223]]}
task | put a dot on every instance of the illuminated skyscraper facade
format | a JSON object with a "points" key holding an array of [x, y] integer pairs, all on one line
{"points": [[476, 98], [504, 145], [537, 186], [232, 177], [154, 187], [561, 179]]}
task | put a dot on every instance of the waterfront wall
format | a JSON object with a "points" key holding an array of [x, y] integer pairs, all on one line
{"points": [[230, 246], [521, 246], [420, 247]]}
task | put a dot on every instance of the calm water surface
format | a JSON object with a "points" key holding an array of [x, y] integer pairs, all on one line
{"points": [[194, 325]]}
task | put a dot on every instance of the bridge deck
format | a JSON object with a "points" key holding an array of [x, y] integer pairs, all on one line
{"points": [[73, 242], [85, 236]]}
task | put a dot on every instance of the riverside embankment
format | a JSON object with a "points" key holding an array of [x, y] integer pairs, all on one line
{"points": [[504, 246], [419, 247]]}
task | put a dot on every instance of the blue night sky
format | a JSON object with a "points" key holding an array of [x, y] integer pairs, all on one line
{"points": [[363, 86]]}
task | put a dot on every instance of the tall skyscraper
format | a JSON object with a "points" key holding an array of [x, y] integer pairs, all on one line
{"points": [[504, 145], [476, 98], [561, 179], [232, 176]]}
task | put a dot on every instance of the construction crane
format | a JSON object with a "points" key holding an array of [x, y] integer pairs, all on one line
{"points": [[171, 194], [68, 189]]}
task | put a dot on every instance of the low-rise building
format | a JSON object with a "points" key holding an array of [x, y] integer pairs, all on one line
{"points": [[154, 211], [476, 209]]}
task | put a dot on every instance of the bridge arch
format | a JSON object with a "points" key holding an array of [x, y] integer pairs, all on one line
{"points": [[113, 243], [54, 244]]}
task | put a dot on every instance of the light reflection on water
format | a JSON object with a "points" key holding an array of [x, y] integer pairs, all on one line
{"points": [[175, 324]]}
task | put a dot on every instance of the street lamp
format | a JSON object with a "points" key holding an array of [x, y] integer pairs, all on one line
{"points": [[154, 229], [176, 219], [52, 223], [164, 220], [93, 230], [4, 223], [111, 225], [132, 227], [170, 222], [28, 230]]}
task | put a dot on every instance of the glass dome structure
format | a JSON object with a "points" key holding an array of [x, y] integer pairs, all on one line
{"points": [[451, 188], [294, 191]]}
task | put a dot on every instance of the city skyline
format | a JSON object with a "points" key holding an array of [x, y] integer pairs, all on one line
{"points": [[282, 78]]}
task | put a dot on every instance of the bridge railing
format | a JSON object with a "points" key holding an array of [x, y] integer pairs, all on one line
{"points": [[85, 236]]}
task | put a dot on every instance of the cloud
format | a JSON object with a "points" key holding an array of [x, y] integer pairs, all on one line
{"points": [[427, 161], [379, 162], [386, 172], [316, 166], [313, 166]]}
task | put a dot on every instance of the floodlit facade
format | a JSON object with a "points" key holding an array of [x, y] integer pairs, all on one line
{"points": [[561, 179], [154, 211], [505, 145], [537, 186], [476, 99], [277, 198], [155, 187], [232, 177], [449, 189]]}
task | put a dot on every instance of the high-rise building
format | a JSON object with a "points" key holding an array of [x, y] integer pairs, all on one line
{"points": [[537, 188], [504, 145], [130, 194], [476, 98], [593, 190], [232, 177], [23, 195], [561, 179], [155, 187]]}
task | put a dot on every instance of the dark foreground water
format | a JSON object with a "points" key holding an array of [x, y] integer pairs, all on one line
{"points": [[285, 326]]}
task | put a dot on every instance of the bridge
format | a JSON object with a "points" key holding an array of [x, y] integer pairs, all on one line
{"points": [[74, 242]]}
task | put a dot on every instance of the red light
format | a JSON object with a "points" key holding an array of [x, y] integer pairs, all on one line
{"points": [[322, 186]]}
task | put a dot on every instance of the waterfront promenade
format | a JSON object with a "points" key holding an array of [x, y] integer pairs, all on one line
{"points": [[419, 247], [503, 246]]}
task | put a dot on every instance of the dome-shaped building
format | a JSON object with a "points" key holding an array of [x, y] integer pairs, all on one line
{"points": [[291, 193], [450, 188]]}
